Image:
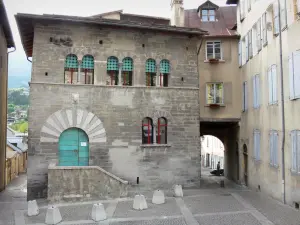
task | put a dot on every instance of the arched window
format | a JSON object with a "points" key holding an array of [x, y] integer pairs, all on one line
{"points": [[112, 71], [87, 70], [162, 131], [150, 72], [164, 73], [71, 69], [147, 131], [127, 71]]}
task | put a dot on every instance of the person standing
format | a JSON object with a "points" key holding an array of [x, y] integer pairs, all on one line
{"points": [[218, 169]]}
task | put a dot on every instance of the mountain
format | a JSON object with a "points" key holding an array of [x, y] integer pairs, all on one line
{"points": [[18, 81]]}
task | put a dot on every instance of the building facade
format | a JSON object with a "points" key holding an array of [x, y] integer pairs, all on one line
{"points": [[6, 42], [113, 91], [212, 152], [271, 150]]}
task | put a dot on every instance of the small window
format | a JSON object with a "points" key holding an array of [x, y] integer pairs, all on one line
{"points": [[208, 15], [161, 131], [213, 50], [87, 70], [147, 131], [214, 93], [112, 71], [150, 72], [164, 73], [127, 71], [71, 69]]}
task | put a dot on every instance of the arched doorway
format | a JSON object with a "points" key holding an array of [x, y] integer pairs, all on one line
{"points": [[73, 148], [237, 161], [245, 152]]}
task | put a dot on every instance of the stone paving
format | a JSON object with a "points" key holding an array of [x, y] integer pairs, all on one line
{"points": [[209, 205]]}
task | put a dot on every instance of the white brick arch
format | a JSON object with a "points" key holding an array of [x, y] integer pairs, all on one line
{"points": [[73, 117]]}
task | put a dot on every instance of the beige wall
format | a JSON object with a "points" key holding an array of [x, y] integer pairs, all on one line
{"points": [[3, 103], [268, 117], [225, 71]]}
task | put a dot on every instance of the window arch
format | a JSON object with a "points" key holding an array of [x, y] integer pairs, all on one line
{"points": [[147, 131], [112, 71], [71, 69], [164, 73], [162, 125], [127, 71], [87, 69], [150, 72]]}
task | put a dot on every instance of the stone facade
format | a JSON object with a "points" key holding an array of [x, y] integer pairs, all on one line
{"points": [[118, 111]]}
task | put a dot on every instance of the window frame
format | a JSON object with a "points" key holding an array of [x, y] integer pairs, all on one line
{"points": [[214, 51], [256, 91], [258, 35], [71, 69], [272, 85], [214, 84], [250, 47], [240, 52], [264, 29], [158, 138], [164, 77], [208, 15], [275, 19], [295, 149], [242, 10], [256, 144], [127, 74], [245, 97], [283, 14], [293, 76], [274, 149], [148, 125]]}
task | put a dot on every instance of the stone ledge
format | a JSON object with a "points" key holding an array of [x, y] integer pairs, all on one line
{"points": [[155, 146]]}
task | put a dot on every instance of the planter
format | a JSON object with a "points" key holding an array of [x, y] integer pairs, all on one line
{"points": [[213, 60], [214, 106]]}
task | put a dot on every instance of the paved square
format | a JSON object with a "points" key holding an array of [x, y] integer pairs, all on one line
{"points": [[152, 222]]}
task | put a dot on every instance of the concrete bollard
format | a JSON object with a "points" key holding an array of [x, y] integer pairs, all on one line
{"points": [[178, 191], [158, 197], [139, 202], [222, 183], [33, 209], [53, 215], [98, 212]]}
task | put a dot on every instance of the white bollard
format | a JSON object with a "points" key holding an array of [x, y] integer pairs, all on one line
{"points": [[178, 191], [53, 215], [98, 212], [158, 197], [33, 209], [139, 202]]}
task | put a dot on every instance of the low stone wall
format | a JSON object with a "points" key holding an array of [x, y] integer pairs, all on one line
{"points": [[83, 183]]}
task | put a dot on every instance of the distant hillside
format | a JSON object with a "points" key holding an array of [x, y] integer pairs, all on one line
{"points": [[18, 81]]}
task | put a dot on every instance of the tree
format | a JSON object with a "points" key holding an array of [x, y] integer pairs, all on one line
{"points": [[10, 108]]}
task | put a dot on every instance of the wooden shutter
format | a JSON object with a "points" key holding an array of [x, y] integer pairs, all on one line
{"points": [[297, 74], [254, 92], [246, 96], [294, 150], [274, 83], [255, 144], [275, 18], [271, 148], [270, 85], [257, 91], [258, 37], [298, 152], [275, 148], [291, 76], [258, 145]]}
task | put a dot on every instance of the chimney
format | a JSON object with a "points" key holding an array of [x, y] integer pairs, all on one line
{"points": [[177, 13]]}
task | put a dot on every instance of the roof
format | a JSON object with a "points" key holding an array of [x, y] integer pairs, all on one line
{"points": [[6, 28], [26, 24], [226, 20], [232, 2], [14, 148]]}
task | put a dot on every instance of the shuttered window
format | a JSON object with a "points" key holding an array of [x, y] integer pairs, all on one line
{"points": [[294, 75], [275, 18], [272, 81], [240, 53], [283, 15], [273, 145], [245, 96], [242, 9], [247, 47], [250, 48], [256, 144], [264, 29], [256, 92], [258, 35], [295, 148]]}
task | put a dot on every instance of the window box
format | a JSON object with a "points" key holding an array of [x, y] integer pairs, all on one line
{"points": [[214, 106], [213, 60]]}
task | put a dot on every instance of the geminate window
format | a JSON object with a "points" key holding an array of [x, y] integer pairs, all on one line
{"points": [[208, 15], [164, 73], [295, 151], [87, 70], [112, 71], [71, 69], [161, 131], [214, 93], [147, 131], [150, 72], [127, 71], [213, 50]]}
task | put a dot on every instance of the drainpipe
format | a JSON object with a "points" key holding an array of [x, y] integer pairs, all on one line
{"points": [[282, 107]]}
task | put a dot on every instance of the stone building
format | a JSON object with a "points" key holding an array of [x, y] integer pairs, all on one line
{"points": [[114, 90]]}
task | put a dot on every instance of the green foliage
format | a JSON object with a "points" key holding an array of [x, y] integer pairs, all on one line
{"points": [[20, 127], [18, 96], [10, 108]]}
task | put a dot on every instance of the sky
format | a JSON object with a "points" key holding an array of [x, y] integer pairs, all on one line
{"points": [[18, 64]]}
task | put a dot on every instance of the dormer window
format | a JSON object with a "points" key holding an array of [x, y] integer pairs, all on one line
{"points": [[208, 15]]}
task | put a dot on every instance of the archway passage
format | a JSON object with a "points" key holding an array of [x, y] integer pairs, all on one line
{"points": [[73, 148]]}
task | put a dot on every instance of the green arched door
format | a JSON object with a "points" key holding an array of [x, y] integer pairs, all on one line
{"points": [[73, 148]]}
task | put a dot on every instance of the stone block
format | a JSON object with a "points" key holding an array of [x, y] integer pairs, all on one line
{"points": [[98, 212], [53, 215], [33, 209], [158, 197], [178, 191], [139, 202]]}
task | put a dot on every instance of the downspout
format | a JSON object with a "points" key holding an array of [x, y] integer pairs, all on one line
{"points": [[282, 108], [198, 51]]}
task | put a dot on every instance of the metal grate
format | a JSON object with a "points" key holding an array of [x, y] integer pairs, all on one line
{"points": [[88, 62], [150, 66], [127, 64], [71, 62], [112, 64], [164, 66]]}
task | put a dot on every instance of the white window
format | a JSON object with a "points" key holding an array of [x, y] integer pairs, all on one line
{"points": [[295, 136], [208, 15], [272, 80], [294, 75], [275, 18], [264, 29], [213, 50], [242, 9], [256, 92], [250, 49], [258, 35], [273, 144], [245, 96], [214, 93], [240, 53], [283, 15], [247, 49], [256, 144]]}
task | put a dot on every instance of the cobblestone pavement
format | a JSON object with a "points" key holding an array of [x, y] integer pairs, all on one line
{"points": [[209, 205]]}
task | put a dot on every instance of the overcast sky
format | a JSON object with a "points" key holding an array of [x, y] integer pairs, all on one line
{"points": [[18, 63]]}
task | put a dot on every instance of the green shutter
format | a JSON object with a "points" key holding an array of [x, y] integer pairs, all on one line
{"points": [[88, 62], [164, 66], [127, 64], [150, 66], [112, 64], [71, 62]]}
